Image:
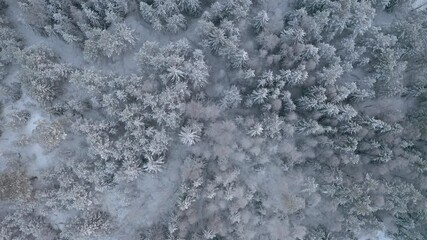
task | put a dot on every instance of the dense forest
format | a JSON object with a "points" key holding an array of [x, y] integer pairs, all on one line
{"points": [[213, 119]]}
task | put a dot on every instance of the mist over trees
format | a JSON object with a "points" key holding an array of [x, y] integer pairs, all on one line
{"points": [[216, 119]]}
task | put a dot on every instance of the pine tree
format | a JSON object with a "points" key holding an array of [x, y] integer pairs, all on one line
{"points": [[190, 135], [42, 75], [260, 20], [108, 43], [310, 127], [232, 98], [191, 6]]}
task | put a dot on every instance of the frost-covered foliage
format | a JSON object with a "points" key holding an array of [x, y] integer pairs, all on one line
{"points": [[25, 223], [144, 110], [108, 43], [14, 185], [95, 25], [73, 20], [49, 135], [217, 119], [169, 15], [9, 42], [42, 75]]}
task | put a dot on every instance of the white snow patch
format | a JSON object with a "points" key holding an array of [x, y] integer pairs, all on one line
{"points": [[378, 235]]}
